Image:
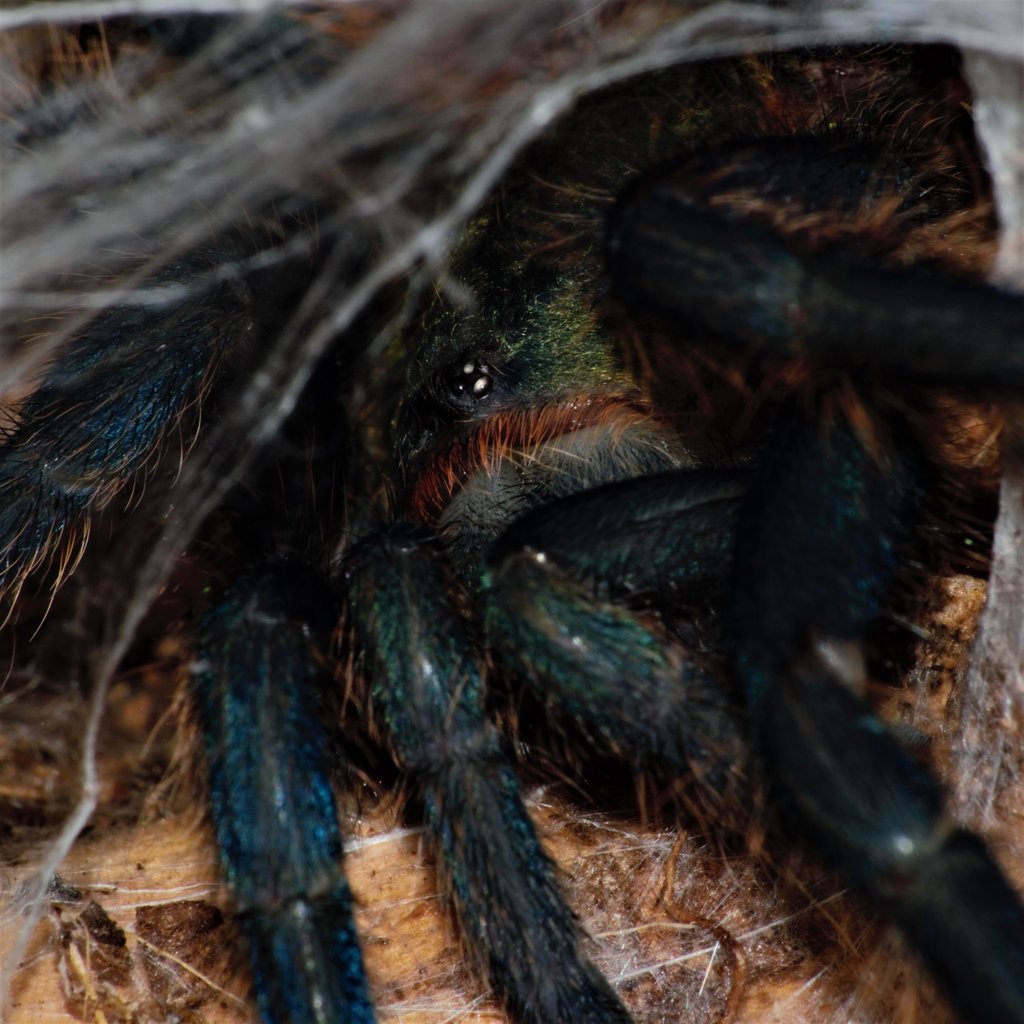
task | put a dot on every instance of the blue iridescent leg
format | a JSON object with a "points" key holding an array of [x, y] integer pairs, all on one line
{"points": [[118, 391], [568, 584], [258, 692], [426, 685]]}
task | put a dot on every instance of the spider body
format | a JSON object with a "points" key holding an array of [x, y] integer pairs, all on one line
{"points": [[824, 514], [553, 521]]}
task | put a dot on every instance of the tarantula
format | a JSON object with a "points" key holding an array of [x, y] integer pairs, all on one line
{"points": [[543, 515]]}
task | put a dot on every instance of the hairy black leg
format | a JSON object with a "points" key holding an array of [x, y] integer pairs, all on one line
{"points": [[555, 612], [670, 251], [114, 394], [427, 687], [820, 539], [820, 536], [652, 535], [256, 687]]}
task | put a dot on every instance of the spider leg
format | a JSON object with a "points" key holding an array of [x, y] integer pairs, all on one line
{"points": [[668, 531], [820, 534], [117, 391], [429, 692], [255, 687], [822, 527], [669, 252], [555, 613]]}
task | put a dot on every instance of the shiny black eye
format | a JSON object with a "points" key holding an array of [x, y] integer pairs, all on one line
{"points": [[454, 392], [470, 381]]}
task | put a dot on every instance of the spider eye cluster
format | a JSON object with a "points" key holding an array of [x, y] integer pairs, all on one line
{"points": [[457, 391], [469, 382]]}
